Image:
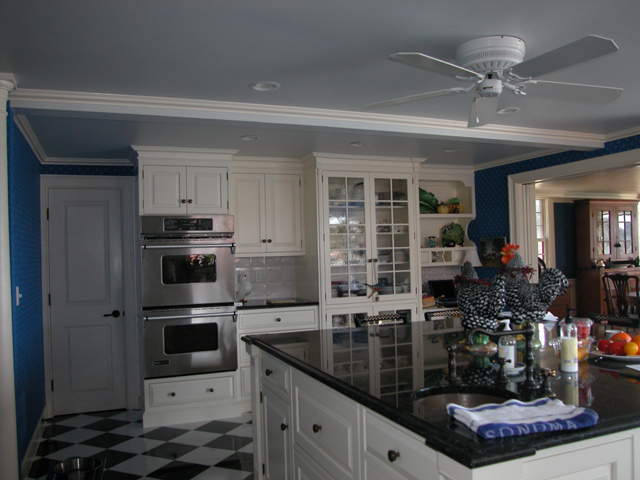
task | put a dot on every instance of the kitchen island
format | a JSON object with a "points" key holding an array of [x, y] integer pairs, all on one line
{"points": [[346, 411]]}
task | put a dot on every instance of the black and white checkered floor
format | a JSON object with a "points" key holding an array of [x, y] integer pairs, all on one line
{"points": [[219, 449]]}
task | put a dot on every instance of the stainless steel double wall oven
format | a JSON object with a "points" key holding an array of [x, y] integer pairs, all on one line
{"points": [[188, 294]]}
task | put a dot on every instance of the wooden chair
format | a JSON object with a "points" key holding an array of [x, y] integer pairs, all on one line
{"points": [[617, 287]]}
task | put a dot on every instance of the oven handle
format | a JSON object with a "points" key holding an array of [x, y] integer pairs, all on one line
{"points": [[198, 315], [212, 245]]}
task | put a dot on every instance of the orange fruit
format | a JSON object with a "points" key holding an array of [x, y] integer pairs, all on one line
{"points": [[621, 337], [636, 339], [631, 348]]}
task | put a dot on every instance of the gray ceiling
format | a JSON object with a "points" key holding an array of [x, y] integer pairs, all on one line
{"points": [[178, 73]]}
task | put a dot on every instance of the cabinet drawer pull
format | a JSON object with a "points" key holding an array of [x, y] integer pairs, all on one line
{"points": [[283, 426], [393, 455], [278, 319], [316, 428], [268, 372], [172, 394], [211, 390]]}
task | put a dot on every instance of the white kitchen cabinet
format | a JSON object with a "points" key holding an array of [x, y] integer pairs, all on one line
{"points": [[191, 398], [184, 190], [268, 213], [271, 320], [183, 181], [393, 453], [446, 185], [369, 237]]}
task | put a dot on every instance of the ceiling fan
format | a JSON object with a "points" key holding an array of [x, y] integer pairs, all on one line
{"points": [[495, 63]]}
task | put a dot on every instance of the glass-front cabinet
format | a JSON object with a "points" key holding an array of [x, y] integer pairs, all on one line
{"points": [[369, 237], [613, 231]]}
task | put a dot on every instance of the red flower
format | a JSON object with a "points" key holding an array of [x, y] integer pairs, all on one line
{"points": [[508, 252]]}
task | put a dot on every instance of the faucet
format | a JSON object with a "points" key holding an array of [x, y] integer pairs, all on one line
{"points": [[529, 359]]}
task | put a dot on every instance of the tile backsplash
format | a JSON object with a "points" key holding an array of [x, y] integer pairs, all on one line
{"points": [[271, 277]]}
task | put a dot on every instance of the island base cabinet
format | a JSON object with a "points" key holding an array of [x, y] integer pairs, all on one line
{"points": [[596, 459], [326, 426], [307, 469], [391, 453], [277, 436]]}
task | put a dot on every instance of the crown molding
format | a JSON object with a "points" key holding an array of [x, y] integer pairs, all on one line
{"points": [[23, 124], [98, 105]]}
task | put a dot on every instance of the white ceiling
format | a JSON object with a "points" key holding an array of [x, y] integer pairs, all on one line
{"points": [[94, 78]]}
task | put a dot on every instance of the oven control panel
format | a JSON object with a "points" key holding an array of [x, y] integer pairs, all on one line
{"points": [[181, 224]]}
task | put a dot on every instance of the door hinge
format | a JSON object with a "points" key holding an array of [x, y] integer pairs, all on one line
{"points": [[300, 182], [47, 214], [227, 204], [52, 385], [264, 471], [260, 397], [49, 299]]}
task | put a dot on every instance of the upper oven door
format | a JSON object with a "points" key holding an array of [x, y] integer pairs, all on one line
{"points": [[185, 274]]}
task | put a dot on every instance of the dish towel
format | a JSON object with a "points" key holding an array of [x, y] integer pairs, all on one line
{"points": [[514, 417]]}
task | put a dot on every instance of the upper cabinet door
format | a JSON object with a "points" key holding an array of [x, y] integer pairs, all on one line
{"points": [[207, 190], [247, 196], [268, 213], [163, 190], [283, 213]]}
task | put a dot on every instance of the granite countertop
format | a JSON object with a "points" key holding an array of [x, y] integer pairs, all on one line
{"points": [[390, 353], [276, 303]]}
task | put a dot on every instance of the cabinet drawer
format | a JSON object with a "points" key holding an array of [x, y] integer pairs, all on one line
{"points": [[411, 457], [278, 319], [326, 426], [191, 390], [276, 374]]}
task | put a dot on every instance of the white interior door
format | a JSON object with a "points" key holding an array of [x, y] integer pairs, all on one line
{"points": [[86, 287]]}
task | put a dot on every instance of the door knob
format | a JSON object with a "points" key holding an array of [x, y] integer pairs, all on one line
{"points": [[393, 455], [316, 428], [114, 314]]}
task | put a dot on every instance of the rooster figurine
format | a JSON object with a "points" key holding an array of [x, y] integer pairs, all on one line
{"points": [[527, 301], [479, 301], [243, 287]]}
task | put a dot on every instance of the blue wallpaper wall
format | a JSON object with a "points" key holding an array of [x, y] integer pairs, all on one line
{"points": [[492, 199], [24, 238]]}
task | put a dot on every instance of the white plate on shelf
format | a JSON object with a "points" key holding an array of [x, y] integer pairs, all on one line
{"points": [[617, 358]]}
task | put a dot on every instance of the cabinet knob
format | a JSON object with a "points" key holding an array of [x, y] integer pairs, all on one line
{"points": [[172, 394], [269, 241], [375, 260], [393, 455], [184, 200], [211, 390], [278, 319], [370, 260], [268, 372], [190, 200], [283, 426], [316, 428], [264, 240]]}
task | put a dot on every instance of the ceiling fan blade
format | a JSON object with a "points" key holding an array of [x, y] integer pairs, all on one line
{"points": [[434, 65], [414, 98], [583, 50], [483, 110], [573, 91]]}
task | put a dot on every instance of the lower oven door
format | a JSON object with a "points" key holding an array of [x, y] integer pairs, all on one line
{"points": [[190, 343]]}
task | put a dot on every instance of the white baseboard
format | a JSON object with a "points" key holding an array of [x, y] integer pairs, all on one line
{"points": [[28, 458]]}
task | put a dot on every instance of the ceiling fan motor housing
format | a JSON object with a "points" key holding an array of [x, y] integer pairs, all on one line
{"points": [[489, 54]]}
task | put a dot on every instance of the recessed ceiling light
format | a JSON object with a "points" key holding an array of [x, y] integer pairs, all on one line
{"points": [[358, 144], [265, 86], [449, 150], [250, 138], [507, 110]]}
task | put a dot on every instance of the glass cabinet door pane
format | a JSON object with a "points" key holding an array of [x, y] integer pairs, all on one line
{"points": [[625, 232], [392, 235], [603, 228], [347, 236]]}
